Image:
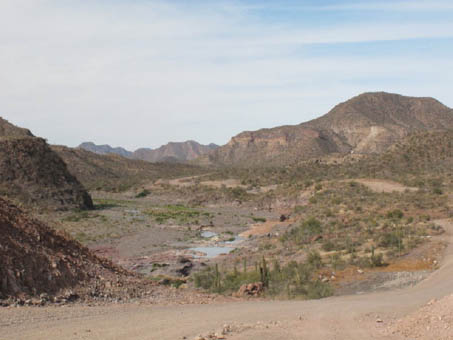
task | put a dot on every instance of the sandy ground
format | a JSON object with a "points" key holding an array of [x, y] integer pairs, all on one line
{"points": [[384, 185], [347, 317], [265, 228]]}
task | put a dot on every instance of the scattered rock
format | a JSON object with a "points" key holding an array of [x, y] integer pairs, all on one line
{"points": [[251, 289]]}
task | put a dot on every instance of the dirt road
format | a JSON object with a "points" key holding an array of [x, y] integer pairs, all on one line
{"points": [[345, 317]]}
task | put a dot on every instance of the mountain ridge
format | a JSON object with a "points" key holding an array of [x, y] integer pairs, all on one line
{"points": [[367, 123], [170, 152]]}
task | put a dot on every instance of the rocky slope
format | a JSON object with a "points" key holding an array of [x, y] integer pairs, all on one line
{"points": [[35, 260], [30, 172], [171, 152], [368, 123], [9, 130]]}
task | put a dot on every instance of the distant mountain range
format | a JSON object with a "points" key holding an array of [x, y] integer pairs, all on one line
{"points": [[366, 124], [171, 152]]}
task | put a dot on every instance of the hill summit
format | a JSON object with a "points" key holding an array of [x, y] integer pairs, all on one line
{"points": [[366, 124]]}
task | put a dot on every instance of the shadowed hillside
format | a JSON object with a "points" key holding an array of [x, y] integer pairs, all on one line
{"points": [[32, 173]]}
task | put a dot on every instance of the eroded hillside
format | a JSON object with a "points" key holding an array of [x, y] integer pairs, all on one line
{"points": [[366, 124]]}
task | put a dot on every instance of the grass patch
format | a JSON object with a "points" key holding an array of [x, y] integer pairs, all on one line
{"points": [[176, 213]]}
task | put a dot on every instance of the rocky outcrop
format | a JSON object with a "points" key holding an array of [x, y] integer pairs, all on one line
{"points": [[368, 123], [30, 172], [250, 290], [9, 130]]}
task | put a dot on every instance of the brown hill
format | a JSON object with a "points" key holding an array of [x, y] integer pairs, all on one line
{"points": [[115, 173], [368, 123], [35, 259], [172, 151], [35, 175], [422, 159]]}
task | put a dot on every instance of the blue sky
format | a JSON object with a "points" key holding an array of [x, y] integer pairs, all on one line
{"points": [[142, 72]]}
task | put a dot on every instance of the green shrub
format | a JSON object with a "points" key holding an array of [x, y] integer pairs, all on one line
{"points": [[143, 193], [395, 214]]}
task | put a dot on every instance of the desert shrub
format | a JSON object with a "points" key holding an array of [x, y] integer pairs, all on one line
{"points": [[294, 278], [143, 193], [328, 245], [177, 213], [304, 232], [318, 290], [395, 214], [336, 261], [314, 259], [391, 239]]}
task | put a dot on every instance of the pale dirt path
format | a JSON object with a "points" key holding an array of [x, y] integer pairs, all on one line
{"points": [[346, 317], [381, 185]]}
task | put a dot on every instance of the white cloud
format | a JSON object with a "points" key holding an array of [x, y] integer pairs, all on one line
{"points": [[142, 73]]}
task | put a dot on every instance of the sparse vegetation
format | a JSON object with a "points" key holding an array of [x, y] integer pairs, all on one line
{"points": [[143, 193], [291, 280], [176, 213]]}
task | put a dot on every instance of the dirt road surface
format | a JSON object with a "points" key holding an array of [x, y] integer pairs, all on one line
{"points": [[345, 317]]}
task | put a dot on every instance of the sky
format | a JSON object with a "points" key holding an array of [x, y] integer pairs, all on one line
{"points": [[141, 73]]}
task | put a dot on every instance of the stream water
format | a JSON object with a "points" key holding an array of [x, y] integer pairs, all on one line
{"points": [[216, 250]]}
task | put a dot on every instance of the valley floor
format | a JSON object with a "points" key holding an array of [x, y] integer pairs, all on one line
{"points": [[366, 316]]}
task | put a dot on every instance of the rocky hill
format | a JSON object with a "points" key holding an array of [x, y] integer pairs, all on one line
{"points": [[31, 173], [171, 152], [115, 173], [105, 149], [366, 124], [185, 151], [35, 260], [9, 130]]}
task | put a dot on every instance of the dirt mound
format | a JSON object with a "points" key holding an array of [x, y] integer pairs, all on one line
{"points": [[36, 260], [433, 321]]}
